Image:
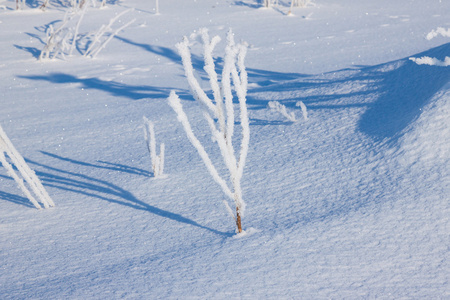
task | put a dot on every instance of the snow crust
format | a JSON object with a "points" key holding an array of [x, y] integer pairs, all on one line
{"points": [[351, 204]]}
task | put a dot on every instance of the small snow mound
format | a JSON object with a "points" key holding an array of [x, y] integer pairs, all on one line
{"points": [[246, 233], [162, 176]]}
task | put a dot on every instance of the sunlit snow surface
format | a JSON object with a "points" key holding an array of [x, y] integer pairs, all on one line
{"points": [[351, 203]]}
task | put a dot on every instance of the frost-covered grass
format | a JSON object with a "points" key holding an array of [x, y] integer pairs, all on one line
{"points": [[352, 203], [432, 61], [28, 177]]}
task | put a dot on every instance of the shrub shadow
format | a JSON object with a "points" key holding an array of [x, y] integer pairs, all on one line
{"points": [[104, 190], [13, 197], [251, 4], [112, 87], [16, 199], [35, 52], [103, 165], [260, 77], [394, 93]]}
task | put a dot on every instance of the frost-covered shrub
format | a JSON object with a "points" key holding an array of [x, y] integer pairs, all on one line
{"points": [[280, 108], [300, 3], [267, 3], [79, 4], [20, 4], [294, 3], [431, 61], [220, 108], [7, 150], [57, 41], [105, 34], [45, 4], [62, 41], [157, 160], [77, 28]]}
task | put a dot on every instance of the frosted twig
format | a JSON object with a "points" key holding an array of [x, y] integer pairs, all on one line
{"points": [[157, 160], [77, 28], [6, 147], [96, 45], [175, 103], [303, 108], [280, 108], [56, 39]]}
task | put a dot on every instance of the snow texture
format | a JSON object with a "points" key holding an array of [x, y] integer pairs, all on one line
{"points": [[351, 204]]}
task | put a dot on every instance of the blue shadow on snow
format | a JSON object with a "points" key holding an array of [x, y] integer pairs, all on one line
{"points": [[104, 190], [16, 199], [404, 91], [112, 87]]}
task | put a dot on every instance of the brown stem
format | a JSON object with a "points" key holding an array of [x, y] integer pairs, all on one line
{"points": [[238, 220]]}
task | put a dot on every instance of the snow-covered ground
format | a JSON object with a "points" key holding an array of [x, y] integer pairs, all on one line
{"points": [[351, 203]]}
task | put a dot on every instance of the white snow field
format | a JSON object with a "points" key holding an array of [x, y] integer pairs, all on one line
{"points": [[350, 203]]}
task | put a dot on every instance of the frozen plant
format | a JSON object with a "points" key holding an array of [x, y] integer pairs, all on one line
{"points": [[220, 108], [303, 108], [62, 40], [57, 41], [280, 108], [45, 4], [7, 149], [77, 28], [298, 3], [98, 42], [157, 160], [70, 3], [269, 3], [80, 4], [431, 61], [439, 31], [20, 4]]}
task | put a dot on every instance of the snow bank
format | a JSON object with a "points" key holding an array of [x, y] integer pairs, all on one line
{"points": [[427, 140]]}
